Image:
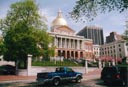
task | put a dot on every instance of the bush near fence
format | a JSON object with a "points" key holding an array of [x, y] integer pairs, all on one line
{"points": [[55, 63]]}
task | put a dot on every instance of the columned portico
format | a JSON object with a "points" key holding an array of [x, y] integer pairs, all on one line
{"points": [[70, 54], [69, 43]]}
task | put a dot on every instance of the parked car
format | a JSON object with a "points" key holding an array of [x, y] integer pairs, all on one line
{"points": [[60, 74], [111, 75], [7, 70]]}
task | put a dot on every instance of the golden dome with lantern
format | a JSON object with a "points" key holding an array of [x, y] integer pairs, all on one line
{"points": [[59, 21]]}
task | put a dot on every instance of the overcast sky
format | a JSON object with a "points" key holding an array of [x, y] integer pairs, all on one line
{"points": [[113, 21]]}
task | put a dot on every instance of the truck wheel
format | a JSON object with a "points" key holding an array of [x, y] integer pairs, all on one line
{"points": [[78, 79], [56, 81]]}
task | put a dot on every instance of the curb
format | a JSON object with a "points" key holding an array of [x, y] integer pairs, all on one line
{"points": [[17, 81]]}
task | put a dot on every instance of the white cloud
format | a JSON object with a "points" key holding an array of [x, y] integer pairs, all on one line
{"points": [[48, 13]]}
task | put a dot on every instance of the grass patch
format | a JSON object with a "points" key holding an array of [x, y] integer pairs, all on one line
{"points": [[53, 63]]}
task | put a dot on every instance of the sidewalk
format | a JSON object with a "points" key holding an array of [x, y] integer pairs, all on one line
{"points": [[6, 79], [92, 74], [10, 78]]}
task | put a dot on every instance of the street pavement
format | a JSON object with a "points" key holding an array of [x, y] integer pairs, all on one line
{"points": [[92, 74], [12, 78]]}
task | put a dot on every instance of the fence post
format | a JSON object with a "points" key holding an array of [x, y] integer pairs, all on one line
{"points": [[99, 64], [113, 62], [86, 66], [103, 64], [29, 62]]}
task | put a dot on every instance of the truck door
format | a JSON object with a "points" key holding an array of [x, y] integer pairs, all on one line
{"points": [[70, 73], [61, 72]]}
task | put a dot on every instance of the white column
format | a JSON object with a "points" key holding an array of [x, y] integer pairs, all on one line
{"points": [[65, 43], [69, 43], [60, 42], [74, 44], [57, 42], [81, 44], [77, 44]]}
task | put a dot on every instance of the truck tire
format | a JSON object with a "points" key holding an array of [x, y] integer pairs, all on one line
{"points": [[56, 81], [78, 79]]}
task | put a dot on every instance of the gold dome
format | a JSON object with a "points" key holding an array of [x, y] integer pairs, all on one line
{"points": [[59, 20]]}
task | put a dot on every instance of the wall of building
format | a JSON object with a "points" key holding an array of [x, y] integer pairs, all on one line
{"points": [[114, 49], [93, 32]]}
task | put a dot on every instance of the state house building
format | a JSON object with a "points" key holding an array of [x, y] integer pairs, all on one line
{"points": [[67, 43]]}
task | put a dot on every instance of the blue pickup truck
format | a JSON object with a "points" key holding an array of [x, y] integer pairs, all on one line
{"points": [[60, 74]]}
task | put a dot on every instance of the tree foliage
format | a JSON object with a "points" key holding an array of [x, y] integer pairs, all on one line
{"points": [[2, 46], [125, 35], [24, 32], [88, 9]]}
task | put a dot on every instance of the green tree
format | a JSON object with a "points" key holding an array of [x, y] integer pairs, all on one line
{"points": [[2, 46], [88, 9], [125, 35], [24, 32]]}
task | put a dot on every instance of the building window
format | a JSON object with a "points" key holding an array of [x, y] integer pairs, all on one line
{"points": [[87, 55], [120, 49], [126, 44], [120, 56], [114, 51]]}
